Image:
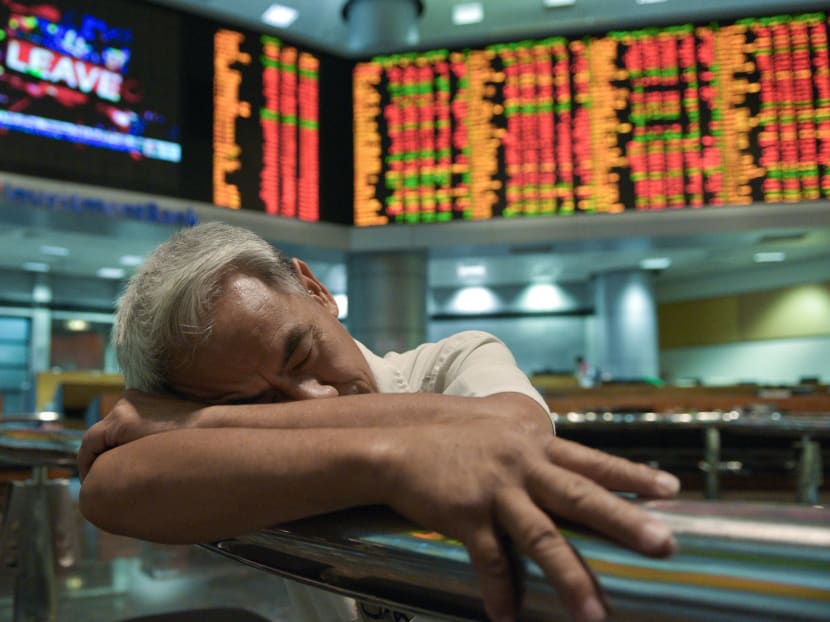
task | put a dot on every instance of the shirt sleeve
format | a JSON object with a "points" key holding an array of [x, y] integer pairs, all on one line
{"points": [[473, 364]]}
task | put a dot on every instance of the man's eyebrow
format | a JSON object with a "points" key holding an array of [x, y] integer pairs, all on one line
{"points": [[292, 342]]}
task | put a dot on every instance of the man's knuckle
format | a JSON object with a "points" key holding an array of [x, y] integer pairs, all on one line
{"points": [[577, 492], [493, 564], [542, 540]]}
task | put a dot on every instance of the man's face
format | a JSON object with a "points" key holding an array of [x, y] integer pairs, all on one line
{"points": [[272, 346]]}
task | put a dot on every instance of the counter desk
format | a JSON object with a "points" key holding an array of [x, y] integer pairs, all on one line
{"points": [[806, 431]]}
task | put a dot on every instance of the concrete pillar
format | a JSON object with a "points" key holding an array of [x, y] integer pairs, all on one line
{"points": [[626, 324], [40, 338], [387, 299], [382, 24]]}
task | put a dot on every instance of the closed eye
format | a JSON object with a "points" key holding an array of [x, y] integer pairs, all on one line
{"points": [[311, 338]]}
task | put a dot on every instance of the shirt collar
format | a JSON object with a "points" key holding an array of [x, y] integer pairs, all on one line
{"points": [[388, 377]]}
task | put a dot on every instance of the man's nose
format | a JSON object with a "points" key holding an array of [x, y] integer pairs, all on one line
{"points": [[310, 389]]}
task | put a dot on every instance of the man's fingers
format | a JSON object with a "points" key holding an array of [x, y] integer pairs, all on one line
{"points": [[579, 499], [85, 460], [93, 444], [612, 472], [535, 534], [494, 571]]}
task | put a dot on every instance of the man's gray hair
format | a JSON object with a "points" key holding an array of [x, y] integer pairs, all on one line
{"points": [[167, 307]]}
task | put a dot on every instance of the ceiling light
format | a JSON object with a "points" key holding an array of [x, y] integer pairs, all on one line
{"points": [[475, 300], [280, 15], [55, 251], [467, 13], [42, 293], [770, 257], [110, 273], [542, 297], [553, 4], [471, 271], [131, 260], [36, 266], [655, 263], [342, 301], [76, 325]]}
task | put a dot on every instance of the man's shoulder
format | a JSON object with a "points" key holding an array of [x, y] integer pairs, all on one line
{"points": [[462, 341]]}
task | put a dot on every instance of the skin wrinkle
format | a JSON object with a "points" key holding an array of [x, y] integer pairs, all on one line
{"points": [[249, 362]]}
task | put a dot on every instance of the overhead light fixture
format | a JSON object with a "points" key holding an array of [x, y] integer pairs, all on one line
{"points": [[342, 301], [471, 271], [42, 293], [35, 266], [475, 300], [655, 263], [555, 4], [650, 1], [467, 13], [280, 15], [542, 297], [55, 251], [110, 273], [131, 260], [76, 325], [770, 257]]}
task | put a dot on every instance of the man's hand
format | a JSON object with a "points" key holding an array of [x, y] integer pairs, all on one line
{"points": [[135, 415], [477, 483]]}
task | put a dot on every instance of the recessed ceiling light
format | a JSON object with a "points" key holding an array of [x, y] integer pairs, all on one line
{"points": [[131, 260], [471, 271], [280, 15], [42, 293], [475, 300], [553, 4], [110, 273], [655, 263], [342, 301], [35, 266], [76, 325], [55, 251], [770, 257], [467, 13]]}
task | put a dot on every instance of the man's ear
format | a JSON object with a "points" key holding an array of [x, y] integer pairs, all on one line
{"points": [[314, 287]]}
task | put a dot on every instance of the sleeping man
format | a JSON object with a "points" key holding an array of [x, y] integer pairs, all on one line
{"points": [[249, 404]]}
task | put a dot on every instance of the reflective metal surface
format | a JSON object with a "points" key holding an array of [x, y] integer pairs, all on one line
{"points": [[37, 530], [736, 562], [759, 419], [25, 445]]}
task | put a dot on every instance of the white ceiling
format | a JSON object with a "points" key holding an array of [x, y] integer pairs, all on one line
{"points": [[321, 23]]}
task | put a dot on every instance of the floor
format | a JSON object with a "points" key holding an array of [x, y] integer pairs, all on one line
{"points": [[119, 578]]}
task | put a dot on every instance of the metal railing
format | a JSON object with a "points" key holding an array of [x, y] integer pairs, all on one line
{"points": [[736, 561]]}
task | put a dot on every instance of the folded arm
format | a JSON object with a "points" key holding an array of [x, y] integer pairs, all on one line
{"points": [[139, 414], [473, 477]]}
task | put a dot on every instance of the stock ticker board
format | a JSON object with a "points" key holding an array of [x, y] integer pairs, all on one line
{"points": [[134, 96], [724, 113], [265, 97]]}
